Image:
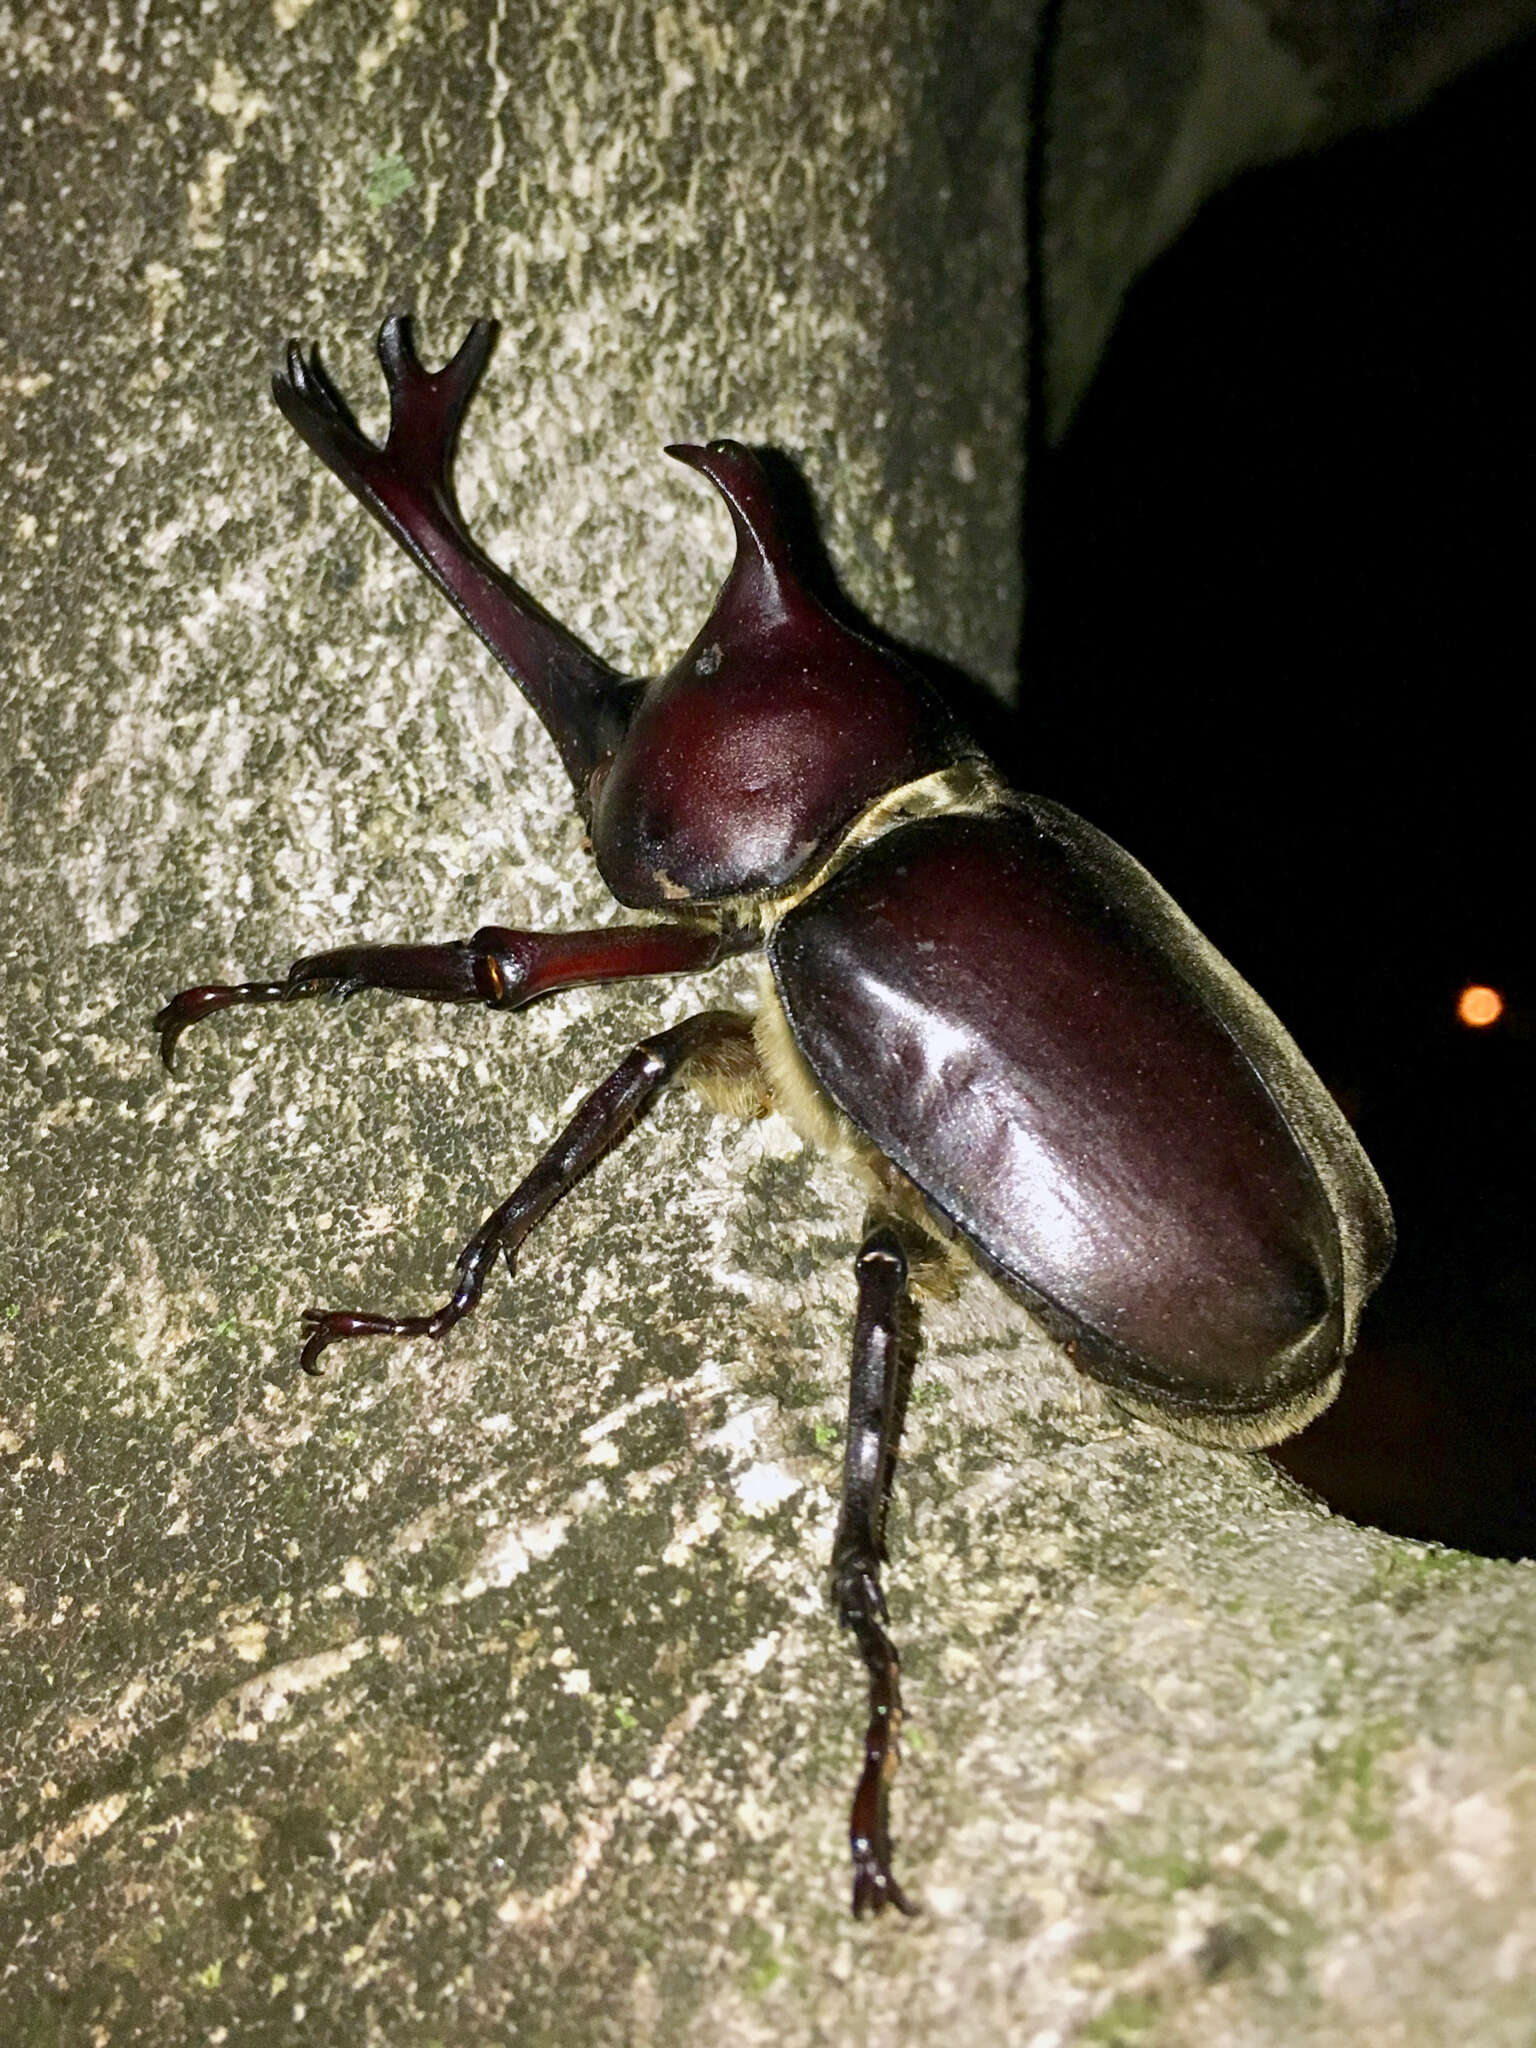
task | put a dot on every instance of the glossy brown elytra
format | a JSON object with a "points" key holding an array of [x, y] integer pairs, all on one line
{"points": [[984, 1003]]}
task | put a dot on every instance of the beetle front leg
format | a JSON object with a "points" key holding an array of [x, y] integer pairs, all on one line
{"points": [[498, 966], [858, 1551], [607, 1116]]}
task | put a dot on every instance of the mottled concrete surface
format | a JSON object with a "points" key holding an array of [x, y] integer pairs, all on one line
{"points": [[487, 1695]]}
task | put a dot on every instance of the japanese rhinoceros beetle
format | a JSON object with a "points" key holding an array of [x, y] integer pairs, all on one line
{"points": [[970, 993]]}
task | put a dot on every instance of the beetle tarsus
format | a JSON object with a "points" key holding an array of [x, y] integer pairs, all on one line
{"points": [[339, 975], [604, 1120], [193, 1004], [874, 1885], [874, 1423], [328, 1326]]}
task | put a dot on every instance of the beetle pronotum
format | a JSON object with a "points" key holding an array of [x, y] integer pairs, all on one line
{"points": [[987, 1006]]}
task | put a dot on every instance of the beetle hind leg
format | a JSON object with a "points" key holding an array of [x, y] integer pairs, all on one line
{"points": [[858, 1550], [603, 1121]]}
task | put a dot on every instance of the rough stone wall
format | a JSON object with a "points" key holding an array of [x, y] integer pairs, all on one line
{"points": [[487, 1694]]}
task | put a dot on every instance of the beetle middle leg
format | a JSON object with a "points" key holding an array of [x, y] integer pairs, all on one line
{"points": [[607, 1116], [499, 966], [858, 1550]]}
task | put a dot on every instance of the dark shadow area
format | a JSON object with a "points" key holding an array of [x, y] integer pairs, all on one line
{"points": [[1279, 645], [978, 709]]}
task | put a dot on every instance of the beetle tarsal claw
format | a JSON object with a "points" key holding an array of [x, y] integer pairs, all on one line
{"points": [[315, 1342], [875, 1886]]}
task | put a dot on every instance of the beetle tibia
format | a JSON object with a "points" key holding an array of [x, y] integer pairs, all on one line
{"points": [[603, 1121]]}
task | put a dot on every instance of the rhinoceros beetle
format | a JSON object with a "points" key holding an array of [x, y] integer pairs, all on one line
{"points": [[987, 1006]]}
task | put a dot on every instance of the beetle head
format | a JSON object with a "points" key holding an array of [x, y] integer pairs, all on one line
{"points": [[743, 767]]}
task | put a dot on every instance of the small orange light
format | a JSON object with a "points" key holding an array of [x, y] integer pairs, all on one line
{"points": [[1479, 1006]]}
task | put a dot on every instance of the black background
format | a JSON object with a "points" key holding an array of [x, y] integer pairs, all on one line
{"points": [[1279, 644]]}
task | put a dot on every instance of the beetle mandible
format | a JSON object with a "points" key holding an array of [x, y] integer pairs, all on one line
{"points": [[988, 1007]]}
